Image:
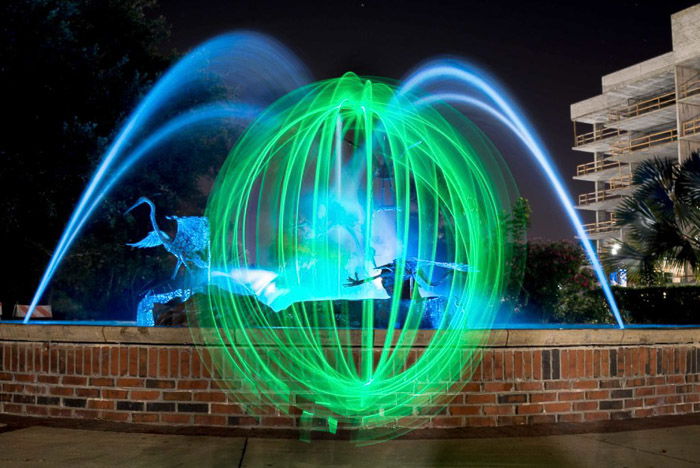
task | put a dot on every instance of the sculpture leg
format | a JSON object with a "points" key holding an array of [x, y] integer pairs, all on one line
{"points": [[144, 312]]}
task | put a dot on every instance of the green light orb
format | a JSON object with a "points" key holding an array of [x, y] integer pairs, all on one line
{"points": [[333, 180]]}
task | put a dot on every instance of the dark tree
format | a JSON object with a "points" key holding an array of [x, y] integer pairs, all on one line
{"points": [[662, 218], [71, 71]]}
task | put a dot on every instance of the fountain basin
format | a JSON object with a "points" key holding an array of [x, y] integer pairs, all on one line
{"points": [[154, 375]]}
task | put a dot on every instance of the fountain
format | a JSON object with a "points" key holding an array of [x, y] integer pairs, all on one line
{"points": [[347, 205]]}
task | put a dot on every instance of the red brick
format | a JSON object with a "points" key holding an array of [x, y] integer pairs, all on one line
{"points": [[643, 412], [670, 409], [465, 410], [101, 382], [476, 421], [529, 386], [210, 396], [177, 396], [557, 385], [644, 391], [173, 368], [471, 387], [444, 421], [557, 407], [529, 409], [541, 419], [676, 379], [145, 417], [541, 397], [571, 417], [569, 396], [598, 395], [152, 362], [479, 398], [596, 416], [508, 365], [498, 409], [25, 377], [114, 416], [499, 365], [85, 414], [518, 365], [51, 379], [270, 421], [185, 356], [37, 410], [684, 408], [527, 366], [589, 363], [163, 366], [193, 384], [130, 382], [87, 392], [144, 394], [634, 382], [497, 387], [101, 404], [114, 394], [585, 384], [59, 412], [585, 405], [63, 391], [133, 365], [176, 418], [13, 388], [119, 359], [511, 420], [226, 409]]}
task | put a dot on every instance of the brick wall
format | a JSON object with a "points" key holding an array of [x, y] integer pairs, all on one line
{"points": [[168, 384]]}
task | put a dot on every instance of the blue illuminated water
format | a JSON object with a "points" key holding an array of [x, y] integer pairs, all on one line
{"points": [[258, 70], [505, 326]]}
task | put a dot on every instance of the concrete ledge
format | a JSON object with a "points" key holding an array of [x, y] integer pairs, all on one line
{"points": [[495, 338]]}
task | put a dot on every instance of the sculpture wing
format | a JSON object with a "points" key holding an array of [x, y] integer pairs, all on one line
{"points": [[192, 234], [153, 239]]}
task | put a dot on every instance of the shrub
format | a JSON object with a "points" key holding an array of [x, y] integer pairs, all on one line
{"points": [[663, 305]]}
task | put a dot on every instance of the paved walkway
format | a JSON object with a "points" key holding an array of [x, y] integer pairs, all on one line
{"points": [[39, 446]]}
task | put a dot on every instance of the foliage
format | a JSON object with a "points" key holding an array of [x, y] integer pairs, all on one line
{"points": [[662, 217], [558, 288], [72, 71], [516, 224], [673, 305]]}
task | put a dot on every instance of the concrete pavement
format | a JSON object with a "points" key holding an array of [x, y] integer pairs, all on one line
{"points": [[38, 446]]}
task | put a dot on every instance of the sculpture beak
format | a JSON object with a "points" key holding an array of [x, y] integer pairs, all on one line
{"points": [[140, 201]]}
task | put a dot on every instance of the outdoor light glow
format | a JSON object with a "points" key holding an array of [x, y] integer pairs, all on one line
{"points": [[350, 214], [333, 180]]}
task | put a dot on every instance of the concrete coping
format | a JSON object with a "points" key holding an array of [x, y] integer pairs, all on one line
{"points": [[496, 338]]}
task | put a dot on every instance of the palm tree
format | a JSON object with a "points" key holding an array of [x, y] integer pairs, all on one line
{"points": [[662, 218]]}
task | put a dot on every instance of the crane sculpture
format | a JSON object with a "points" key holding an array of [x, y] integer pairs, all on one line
{"points": [[191, 248]]}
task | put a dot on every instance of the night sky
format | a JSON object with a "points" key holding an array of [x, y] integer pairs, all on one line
{"points": [[548, 54]]}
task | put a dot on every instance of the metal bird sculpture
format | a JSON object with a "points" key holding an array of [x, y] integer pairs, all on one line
{"points": [[191, 242]]}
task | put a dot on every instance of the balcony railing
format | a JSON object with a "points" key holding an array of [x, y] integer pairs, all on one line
{"points": [[644, 107], [620, 182], [691, 88], [596, 135], [599, 196], [691, 127], [647, 141], [608, 225], [596, 166]]}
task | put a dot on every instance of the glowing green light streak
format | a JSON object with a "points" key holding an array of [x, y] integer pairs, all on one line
{"points": [[296, 200]]}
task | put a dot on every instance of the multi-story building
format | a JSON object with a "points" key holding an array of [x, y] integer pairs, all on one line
{"points": [[651, 109]]}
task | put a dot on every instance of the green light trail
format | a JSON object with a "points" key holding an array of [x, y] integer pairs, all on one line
{"points": [[332, 180]]}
